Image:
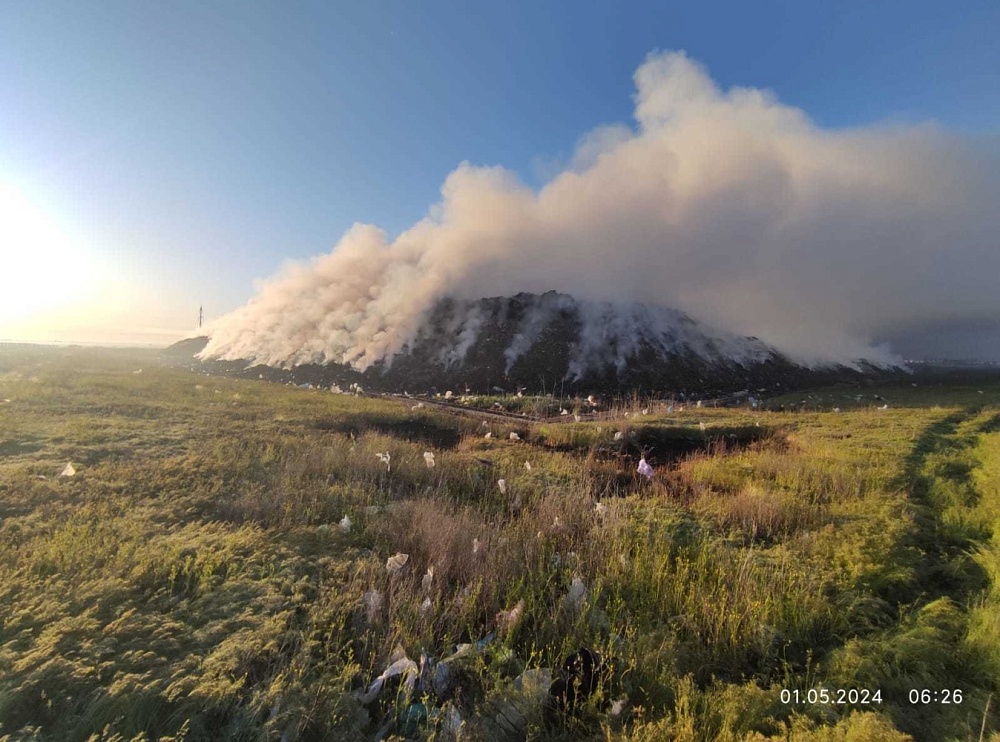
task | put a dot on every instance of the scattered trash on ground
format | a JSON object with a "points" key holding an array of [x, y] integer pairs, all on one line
{"points": [[508, 619], [373, 603], [345, 524], [68, 471], [577, 593], [515, 501], [395, 563], [402, 666], [645, 469], [429, 459], [583, 672], [508, 716]]}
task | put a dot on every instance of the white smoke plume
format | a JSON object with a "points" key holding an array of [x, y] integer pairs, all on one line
{"points": [[726, 205]]}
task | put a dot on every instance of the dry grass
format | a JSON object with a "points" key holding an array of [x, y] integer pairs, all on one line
{"points": [[192, 580]]}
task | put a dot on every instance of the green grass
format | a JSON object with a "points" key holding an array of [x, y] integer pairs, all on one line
{"points": [[191, 581]]}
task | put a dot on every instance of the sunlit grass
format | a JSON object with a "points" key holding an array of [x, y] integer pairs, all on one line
{"points": [[193, 581]]}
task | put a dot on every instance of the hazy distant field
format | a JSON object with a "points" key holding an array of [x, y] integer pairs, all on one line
{"points": [[192, 579]]}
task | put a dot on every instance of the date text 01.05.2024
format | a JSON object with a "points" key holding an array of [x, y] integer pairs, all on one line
{"points": [[831, 696]]}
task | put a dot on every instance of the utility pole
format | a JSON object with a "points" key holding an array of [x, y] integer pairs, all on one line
{"points": [[201, 316]]}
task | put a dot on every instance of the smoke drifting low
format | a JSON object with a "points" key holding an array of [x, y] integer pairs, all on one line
{"points": [[727, 205]]}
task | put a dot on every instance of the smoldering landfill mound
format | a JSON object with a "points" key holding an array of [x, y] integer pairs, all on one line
{"points": [[549, 342], [726, 205]]}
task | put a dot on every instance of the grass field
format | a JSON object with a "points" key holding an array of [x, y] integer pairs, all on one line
{"points": [[195, 578]]}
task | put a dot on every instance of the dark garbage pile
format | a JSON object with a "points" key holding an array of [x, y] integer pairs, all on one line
{"points": [[445, 698]]}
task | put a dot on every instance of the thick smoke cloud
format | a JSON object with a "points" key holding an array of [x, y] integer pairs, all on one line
{"points": [[727, 205]]}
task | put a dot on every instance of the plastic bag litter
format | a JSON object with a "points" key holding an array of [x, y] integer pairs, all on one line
{"points": [[452, 723], [385, 459], [425, 607], [448, 395], [515, 501], [508, 716], [576, 417], [577, 592], [534, 682], [509, 618], [403, 666], [395, 563], [563, 411], [488, 436], [527, 465], [670, 409], [618, 706], [557, 523], [502, 484], [645, 411], [581, 675], [619, 435], [345, 524], [427, 580], [515, 437], [477, 546], [373, 603], [645, 469], [701, 427], [418, 406], [600, 508], [466, 650], [429, 459], [68, 471]]}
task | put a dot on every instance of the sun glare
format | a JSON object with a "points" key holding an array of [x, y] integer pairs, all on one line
{"points": [[41, 268]]}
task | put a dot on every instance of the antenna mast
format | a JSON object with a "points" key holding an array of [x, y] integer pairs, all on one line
{"points": [[201, 316]]}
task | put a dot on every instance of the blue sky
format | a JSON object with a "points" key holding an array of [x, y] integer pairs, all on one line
{"points": [[193, 147]]}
